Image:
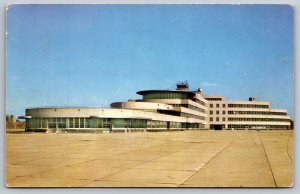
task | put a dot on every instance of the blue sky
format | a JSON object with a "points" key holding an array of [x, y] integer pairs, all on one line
{"points": [[92, 55]]}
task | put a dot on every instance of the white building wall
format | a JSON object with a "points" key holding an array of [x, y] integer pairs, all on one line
{"points": [[224, 116]]}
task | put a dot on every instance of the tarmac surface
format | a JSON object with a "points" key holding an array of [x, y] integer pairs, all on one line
{"points": [[151, 159]]}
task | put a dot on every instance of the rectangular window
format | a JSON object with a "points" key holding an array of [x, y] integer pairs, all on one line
{"points": [[76, 123], [106, 122], [224, 112], [224, 105], [71, 123], [118, 123], [63, 123], [211, 105], [223, 119], [81, 122], [92, 122], [217, 118], [211, 119], [44, 123], [99, 122], [211, 112], [217, 112], [218, 105]]}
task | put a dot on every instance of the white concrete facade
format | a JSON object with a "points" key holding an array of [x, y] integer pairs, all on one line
{"points": [[250, 114], [164, 110]]}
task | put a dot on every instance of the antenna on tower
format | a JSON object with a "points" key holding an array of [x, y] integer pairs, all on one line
{"points": [[183, 86]]}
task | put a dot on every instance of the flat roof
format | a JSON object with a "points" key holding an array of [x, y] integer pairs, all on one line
{"points": [[174, 91], [66, 107]]}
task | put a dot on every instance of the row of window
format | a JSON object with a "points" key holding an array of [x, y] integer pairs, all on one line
{"points": [[166, 95], [193, 108], [200, 102], [248, 112], [217, 105], [257, 113], [171, 95], [249, 119], [258, 119], [73, 123], [84, 123], [217, 119], [214, 99], [247, 106], [180, 114], [156, 124], [190, 107], [239, 106], [192, 116], [192, 125], [174, 125], [254, 127], [217, 112]]}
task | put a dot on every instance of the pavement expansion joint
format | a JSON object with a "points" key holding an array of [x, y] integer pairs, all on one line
{"points": [[215, 156], [187, 159], [262, 143]]}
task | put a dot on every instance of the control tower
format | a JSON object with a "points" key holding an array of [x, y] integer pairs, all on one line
{"points": [[182, 86]]}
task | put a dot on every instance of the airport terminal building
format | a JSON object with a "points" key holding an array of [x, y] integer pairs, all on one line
{"points": [[161, 110]]}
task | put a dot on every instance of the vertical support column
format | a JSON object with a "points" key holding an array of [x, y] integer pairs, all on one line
{"points": [[56, 124], [67, 123]]}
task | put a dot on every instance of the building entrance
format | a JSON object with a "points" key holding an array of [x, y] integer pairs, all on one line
{"points": [[216, 127]]}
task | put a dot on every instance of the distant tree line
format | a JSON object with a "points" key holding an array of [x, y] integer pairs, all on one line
{"points": [[11, 123]]}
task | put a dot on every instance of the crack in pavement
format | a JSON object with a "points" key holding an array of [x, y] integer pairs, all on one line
{"points": [[212, 158], [287, 149], [103, 178], [262, 143]]}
